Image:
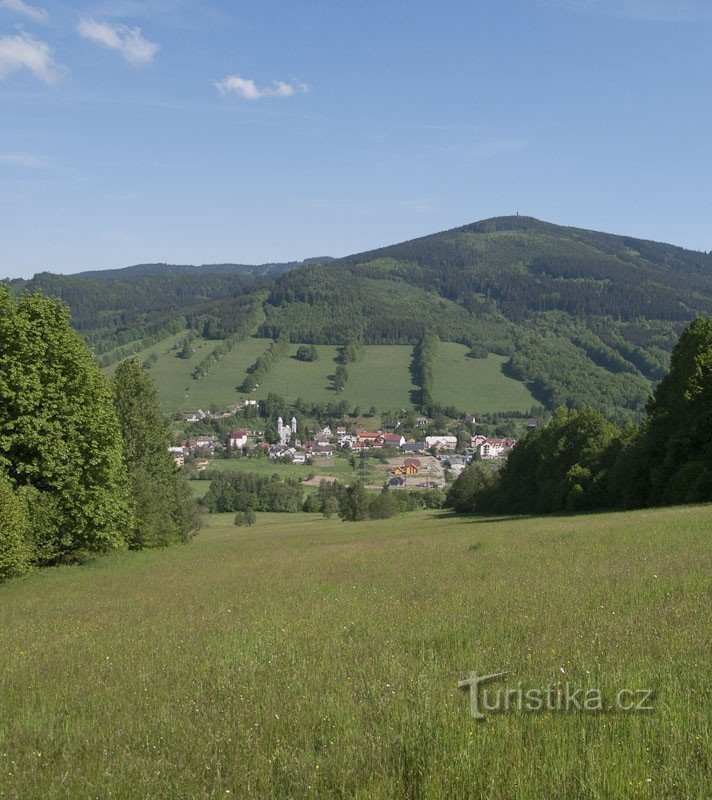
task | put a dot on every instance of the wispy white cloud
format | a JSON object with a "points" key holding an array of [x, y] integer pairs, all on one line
{"points": [[25, 52], [24, 160], [130, 42], [37, 14], [247, 89], [644, 10]]}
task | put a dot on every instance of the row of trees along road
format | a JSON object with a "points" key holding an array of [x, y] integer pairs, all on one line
{"points": [[84, 466]]}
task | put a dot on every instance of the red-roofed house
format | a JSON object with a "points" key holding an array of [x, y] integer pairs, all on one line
{"points": [[237, 438]]}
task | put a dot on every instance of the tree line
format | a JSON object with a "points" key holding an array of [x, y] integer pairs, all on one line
{"points": [[251, 315], [260, 369], [582, 462]]}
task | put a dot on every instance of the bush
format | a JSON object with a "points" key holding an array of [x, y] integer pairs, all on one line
{"points": [[384, 506], [433, 498], [472, 489], [247, 517], [311, 504], [307, 352]]}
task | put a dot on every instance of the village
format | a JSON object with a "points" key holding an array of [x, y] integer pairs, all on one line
{"points": [[425, 462]]}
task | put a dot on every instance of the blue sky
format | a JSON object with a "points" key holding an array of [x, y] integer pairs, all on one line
{"points": [[201, 131]]}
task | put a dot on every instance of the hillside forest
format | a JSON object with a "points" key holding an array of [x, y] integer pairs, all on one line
{"points": [[582, 318]]}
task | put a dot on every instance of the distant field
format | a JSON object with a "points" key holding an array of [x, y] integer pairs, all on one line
{"points": [[307, 379], [311, 658], [477, 385], [381, 378], [179, 392], [264, 466]]}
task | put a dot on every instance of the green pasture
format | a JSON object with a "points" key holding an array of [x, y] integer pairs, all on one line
{"points": [[310, 658], [380, 378], [477, 386]]}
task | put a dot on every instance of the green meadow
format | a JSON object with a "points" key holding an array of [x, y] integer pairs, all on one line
{"points": [[177, 389], [380, 378], [477, 385], [310, 658]]}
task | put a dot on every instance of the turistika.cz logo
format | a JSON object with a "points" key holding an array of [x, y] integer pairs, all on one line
{"points": [[554, 698]]}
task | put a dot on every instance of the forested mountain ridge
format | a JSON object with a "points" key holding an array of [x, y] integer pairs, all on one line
{"points": [[584, 317], [153, 270]]}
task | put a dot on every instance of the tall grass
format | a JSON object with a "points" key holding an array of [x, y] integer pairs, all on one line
{"points": [[306, 658]]}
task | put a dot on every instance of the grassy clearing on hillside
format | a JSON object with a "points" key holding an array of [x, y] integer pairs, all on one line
{"points": [[380, 378], [293, 378], [477, 386], [305, 658], [172, 375]]}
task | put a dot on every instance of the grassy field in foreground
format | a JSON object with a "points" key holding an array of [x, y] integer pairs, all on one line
{"points": [[477, 385], [306, 658]]}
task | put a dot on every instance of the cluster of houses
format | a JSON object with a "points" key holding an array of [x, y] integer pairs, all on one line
{"points": [[200, 415], [410, 468], [201, 448], [288, 446]]}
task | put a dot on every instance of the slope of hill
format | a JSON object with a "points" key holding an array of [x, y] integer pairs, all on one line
{"points": [[581, 317]]}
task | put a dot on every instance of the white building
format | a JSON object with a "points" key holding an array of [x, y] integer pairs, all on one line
{"points": [[284, 432], [237, 439], [441, 442], [495, 448]]}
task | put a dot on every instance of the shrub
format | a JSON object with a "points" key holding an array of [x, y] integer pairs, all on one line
{"points": [[247, 517]]}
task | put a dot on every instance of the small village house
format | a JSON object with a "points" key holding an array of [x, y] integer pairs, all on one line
{"points": [[441, 442], [237, 439]]}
